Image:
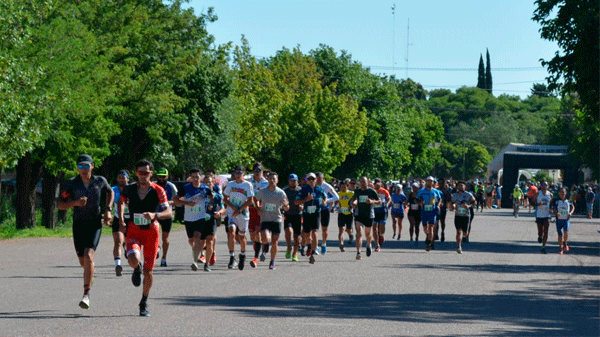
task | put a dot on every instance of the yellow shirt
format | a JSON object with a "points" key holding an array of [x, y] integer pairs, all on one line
{"points": [[344, 200]]}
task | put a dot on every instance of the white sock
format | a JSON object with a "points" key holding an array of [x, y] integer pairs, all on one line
{"points": [[117, 261]]}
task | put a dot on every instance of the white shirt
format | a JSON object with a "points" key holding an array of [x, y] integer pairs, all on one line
{"points": [[238, 194]]}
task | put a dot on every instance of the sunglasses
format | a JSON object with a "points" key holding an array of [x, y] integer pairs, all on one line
{"points": [[310, 178], [144, 173], [83, 166], [237, 172]]}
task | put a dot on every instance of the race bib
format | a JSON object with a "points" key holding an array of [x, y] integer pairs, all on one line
{"points": [[428, 208], [414, 207], [344, 210], [363, 198], [270, 207], [126, 211], [207, 217], [140, 220], [395, 206], [195, 209], [462, 211], [311, 209]]}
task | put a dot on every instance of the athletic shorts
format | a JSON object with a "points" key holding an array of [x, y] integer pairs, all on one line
{"points": [[166, 225], [209, 227], [461, 223], [310, 222], [116, 225], [294, 221], [345, 220], [147, 238], [398, 214], [562, 224], [365, 221], [380, 218], [240, 222], [325, 217], [193, 226], [273, 227], [540, 221], [86, 234], [589, 206], [416, 215], [254, 223], [428, 218]]}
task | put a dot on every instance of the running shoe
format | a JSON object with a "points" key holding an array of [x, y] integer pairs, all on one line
{"points": [[85, 302], [119, 270], [231, 264], [316, 251], [206, 268], [323, 250], [539, 239], [288, 254], [398, 237], [262, 257], [459, 250], [163, 263], [301, 250], [254, 263], [241, 263], [202, 258], [272, 265], [544, 250], [195, 266], [358, 257], [213, 259], [394, 236], [377, 249], [560, 252], [312, 259], [566, 247], [294, 258], [136, 277], [368, 250], [342, 248], [144, 310]]}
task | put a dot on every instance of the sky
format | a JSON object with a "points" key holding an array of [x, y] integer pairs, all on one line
{"points": [[445, 38]]}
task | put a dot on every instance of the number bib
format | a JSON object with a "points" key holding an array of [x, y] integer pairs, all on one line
{"points": [[428, 208], [462, 211], [140, 220], [396, 206], [344, 210], [126, 211], [195, 209], [311, 209], [363, 198], [414, 207], [270, 207]]}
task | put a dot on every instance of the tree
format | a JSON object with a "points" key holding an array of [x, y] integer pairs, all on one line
{"points": [[488, 72], [575, 67], [541, 90], [481, 74]]}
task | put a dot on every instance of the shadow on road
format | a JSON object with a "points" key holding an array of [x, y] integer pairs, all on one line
{"points": [[526, 313], [47, 314]]}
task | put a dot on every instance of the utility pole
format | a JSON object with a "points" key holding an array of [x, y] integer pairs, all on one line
{"points": [[394, 36], [464, 151], [408, 44]]}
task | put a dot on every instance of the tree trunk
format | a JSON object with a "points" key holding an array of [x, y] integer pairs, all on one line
{"points": [[28, 174], [1, 187], [62, 214], [50, 190]]}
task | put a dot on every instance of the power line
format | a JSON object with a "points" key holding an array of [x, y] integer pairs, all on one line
{"points": [[454, 69]]}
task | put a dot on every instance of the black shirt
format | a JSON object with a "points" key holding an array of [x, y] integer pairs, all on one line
{"points": [[95, 192]]}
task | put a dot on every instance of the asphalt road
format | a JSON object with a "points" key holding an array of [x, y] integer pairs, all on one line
{"points": [[500, 286]]}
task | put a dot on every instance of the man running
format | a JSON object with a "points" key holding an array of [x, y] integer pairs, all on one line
{"points": [[563, 209], [431, 201], [414, 213], [272, 201], [446, 192], [398, 199], [345, 217], [332, 196], [293, 218], [312, 198], [258, 182], [516, 196], [171, 190], [542, 201], [380, 213], [238, 195], [214, 212], [363, 201], [194, 197], [462, 202], [144, 199], [84, 194], [118, 236]]}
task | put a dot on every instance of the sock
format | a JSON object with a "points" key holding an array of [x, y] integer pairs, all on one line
{"points": [[86, 289], [243, 253], [231, 253], [144, 299], [117, 261], [256, 249]]}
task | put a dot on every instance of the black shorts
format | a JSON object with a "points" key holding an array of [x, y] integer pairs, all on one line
{"points": [[273, 227], [365, 221], [311, 222], [294, 221], [209, 227], [193, 226], [325, 217], [380, 217], [166, 225], [345, 220], [116, 225], [461, 223], [540, 221], [416, 215], [86, 234]]}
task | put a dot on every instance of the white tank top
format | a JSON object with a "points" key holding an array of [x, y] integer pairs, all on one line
{"points": [[543, 210]]}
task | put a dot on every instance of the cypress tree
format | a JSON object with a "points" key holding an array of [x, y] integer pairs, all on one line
{"points": [[488, 72], [481, 75]]}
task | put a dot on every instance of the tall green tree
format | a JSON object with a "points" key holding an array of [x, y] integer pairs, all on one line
{"points": [[481, 74], [488, 72]]}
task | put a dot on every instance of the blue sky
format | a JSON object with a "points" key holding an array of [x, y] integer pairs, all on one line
{"points": [[443, 35]]}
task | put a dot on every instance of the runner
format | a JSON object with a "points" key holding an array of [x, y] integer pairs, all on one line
{"points": [[363, 201], [532, 191], [516, 196], [563, 209], [414, 213], [345, 217], [352, 186], [380, 213], [144, 199], [214, 212], [444, 188], [163, 175], [118, 236], [84, 194], [194, 196], [398, 200], [431, 201], [462, 202], [480, 197], [258, 183], [542, 213], [271, 200], [293, 218], [238, 195], [332, 197], [590, 197], [312, 197]]}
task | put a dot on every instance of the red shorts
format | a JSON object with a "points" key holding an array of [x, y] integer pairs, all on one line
{"points": [[254, 224], [148, 238]]}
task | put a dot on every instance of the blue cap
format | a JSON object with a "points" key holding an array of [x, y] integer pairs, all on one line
{"points": [[293, 177]]}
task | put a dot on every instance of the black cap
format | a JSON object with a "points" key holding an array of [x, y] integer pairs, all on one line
{"points": [[85, 159], [240, 168], [257, 167]]}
